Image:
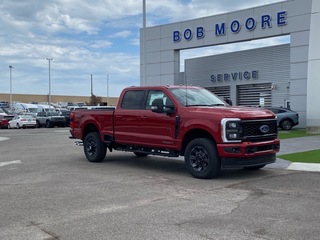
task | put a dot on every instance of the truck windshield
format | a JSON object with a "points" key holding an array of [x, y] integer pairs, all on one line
{"points": [[196, 97]]}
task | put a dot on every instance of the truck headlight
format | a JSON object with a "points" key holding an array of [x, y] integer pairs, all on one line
{"points": [[231, 130]]}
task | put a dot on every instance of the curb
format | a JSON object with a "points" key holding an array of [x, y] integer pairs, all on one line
{"points": [[308, 167]]}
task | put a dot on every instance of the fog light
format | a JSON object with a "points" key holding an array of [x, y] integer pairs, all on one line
{"points": [[232, 150], [233, 136]]}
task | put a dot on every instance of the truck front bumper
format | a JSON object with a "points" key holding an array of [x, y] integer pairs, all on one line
{"points": [[248, 154]]}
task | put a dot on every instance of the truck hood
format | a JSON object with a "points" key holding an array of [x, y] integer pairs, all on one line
{"points": [[234, 112]]}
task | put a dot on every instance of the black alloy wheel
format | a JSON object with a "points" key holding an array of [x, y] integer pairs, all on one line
{"points": [[286, 124], [201, 158], [94, 149]]}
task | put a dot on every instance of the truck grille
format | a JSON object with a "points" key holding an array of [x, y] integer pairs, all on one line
{"points": [[259, 130]]}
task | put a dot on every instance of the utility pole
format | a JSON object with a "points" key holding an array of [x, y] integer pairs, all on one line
{"points": [[91, 86], [10, 67], [49, 60], [108, 89]]}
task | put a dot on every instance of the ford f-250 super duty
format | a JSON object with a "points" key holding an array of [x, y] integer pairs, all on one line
{"points": [[180, 121]]}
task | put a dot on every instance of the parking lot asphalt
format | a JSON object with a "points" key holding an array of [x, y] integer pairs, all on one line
{"points": [[295, 145], [287, 146], [48, 190]]}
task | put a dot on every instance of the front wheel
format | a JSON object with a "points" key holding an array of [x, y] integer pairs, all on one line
{"points": [[286, 124], [48, 124], [202, 159], [94, 149]]}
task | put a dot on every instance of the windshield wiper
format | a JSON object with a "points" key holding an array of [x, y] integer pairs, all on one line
{"points": [[217, 104], [205, 105]]}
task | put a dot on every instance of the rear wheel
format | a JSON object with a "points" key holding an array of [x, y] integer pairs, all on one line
{"points": [[94, 149], [48, 124], [286, 124], [201, 158]]}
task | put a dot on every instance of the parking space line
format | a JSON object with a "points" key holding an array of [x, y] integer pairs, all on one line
{"points": [[10, 162], [4, 138]]}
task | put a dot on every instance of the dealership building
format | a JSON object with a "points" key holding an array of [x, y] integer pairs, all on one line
{"points": [[285, 75]]}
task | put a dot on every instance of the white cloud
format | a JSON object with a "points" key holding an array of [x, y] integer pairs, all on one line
{"points": [[85, 37], [122, 34]]}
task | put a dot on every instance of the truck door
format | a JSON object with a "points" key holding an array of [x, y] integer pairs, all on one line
{"points": [[127, 118], [158, 129]]}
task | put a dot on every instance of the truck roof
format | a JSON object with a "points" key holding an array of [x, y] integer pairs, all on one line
{"points": [[161, 87]]}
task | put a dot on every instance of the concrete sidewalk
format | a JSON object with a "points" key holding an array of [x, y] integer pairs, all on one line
{"points": [[294, 145]]}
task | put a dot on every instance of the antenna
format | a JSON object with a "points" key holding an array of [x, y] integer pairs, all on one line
{"points": [[186, 84]]}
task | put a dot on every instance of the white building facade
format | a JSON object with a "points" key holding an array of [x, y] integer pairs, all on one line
{"points": [[284, 75]]}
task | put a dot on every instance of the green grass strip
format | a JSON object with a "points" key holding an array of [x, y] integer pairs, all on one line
{"points": [[312, 156], [293, 133]]}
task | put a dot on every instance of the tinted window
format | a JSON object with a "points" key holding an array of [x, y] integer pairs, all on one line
{"points": [[155, 94], [133, 100]]}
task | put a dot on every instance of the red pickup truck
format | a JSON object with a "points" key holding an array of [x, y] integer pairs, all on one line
{"points": [[177, 121]]}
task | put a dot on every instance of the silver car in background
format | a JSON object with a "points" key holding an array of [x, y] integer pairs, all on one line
{"points": [[23, 121], [286, 118]]}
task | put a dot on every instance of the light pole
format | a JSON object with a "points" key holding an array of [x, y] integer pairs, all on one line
{"points": [[108, 89], [10, 67], [144, 82], [49, 60]]}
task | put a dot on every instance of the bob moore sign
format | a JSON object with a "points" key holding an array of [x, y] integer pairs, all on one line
{"points": [[234, 27]]}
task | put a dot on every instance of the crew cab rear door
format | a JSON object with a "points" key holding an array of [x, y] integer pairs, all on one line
{"points": [[127, 118]]}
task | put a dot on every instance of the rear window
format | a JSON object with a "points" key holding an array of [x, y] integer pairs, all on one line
{"points": [[133, 99]]}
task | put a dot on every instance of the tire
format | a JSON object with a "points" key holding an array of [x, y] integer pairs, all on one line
{"points": [[202, 159], [18, 126], [38, 124], [255, 167], [48, 124], [139, 154], [94, 149], [286, 124]]}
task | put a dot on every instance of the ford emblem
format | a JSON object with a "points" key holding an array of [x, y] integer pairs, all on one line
{"points": [[264, 128]]}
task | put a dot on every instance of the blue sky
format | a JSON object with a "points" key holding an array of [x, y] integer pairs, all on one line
{"points": [[87, 37]]}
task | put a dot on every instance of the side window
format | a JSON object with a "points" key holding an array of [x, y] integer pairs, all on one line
{"points": [[152, 95], [156, 94], [133, 99]]}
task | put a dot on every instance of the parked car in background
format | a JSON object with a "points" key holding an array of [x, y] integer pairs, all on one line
{"points": [[50, 119], [2, 113], [45, 108], [286, 118], [4, 104], [25, 108], [23, 121], [66, 113], [4, 120]]}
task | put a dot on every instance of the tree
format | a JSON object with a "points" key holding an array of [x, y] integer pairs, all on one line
{"points": [[94, 100]]}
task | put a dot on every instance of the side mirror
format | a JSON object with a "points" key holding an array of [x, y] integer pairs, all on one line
{"points": [[169, 109], [157, 105]]}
